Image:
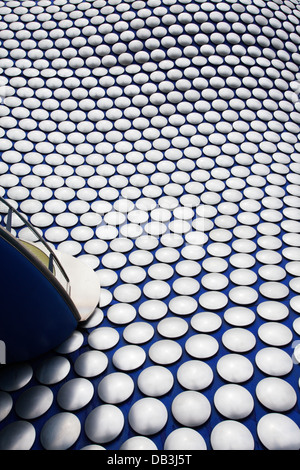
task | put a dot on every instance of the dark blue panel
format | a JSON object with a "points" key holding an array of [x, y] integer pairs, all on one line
{"points": [[34, 316]]}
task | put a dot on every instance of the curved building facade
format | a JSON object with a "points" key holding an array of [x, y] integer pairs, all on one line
{"points": [[157, 141]]}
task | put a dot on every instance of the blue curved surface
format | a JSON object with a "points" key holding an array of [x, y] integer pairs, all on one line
{"points": [[34, 315], [268, 73]]}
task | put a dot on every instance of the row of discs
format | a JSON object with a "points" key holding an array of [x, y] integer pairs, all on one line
{"points": [[157, 141], [147, 416]]}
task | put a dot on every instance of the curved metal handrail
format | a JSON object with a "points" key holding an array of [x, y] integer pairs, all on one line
{"points": [[52, 258]]}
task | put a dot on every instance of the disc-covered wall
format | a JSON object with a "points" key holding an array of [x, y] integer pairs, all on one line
{"points": [[158, 141]]}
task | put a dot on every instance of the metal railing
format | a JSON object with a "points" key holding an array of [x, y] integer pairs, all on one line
{"points": [[53, 260]]}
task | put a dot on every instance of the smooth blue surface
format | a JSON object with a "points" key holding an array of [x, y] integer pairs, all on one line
{"points": [[34, 316]]}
